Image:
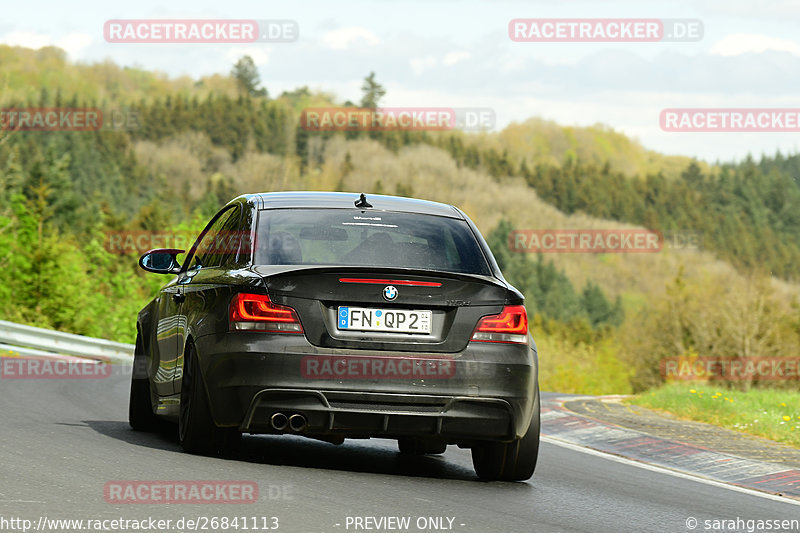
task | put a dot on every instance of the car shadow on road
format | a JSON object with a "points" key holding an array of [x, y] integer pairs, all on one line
{"points": [[166, 438], [374, 456]]}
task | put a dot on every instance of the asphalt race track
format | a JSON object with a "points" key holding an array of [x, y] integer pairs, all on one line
{"points": [[63, 440]]}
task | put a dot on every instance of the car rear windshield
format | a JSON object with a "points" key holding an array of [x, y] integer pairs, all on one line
{"points": [[343, 237]]}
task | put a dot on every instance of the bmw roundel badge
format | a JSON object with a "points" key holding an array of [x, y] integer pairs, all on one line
{"points": [[390, 292]]}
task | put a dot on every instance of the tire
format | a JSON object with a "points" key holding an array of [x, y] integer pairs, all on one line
{"points": [[411, 446], [197, 431], [140, 405], [512, 461]]}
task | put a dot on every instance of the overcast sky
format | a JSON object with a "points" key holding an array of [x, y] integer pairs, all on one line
{"points": [[459, 54]]}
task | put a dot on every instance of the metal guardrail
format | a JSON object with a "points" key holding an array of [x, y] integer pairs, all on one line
{"points": [[30, 340]]}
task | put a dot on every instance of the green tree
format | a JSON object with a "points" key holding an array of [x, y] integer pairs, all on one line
{"points": [[598, 308], [247, 77], [372, 92]]}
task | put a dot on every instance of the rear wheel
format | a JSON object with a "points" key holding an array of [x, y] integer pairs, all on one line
{"points": [[412, 446], [140, 404], [511, 461], [197, 431]]}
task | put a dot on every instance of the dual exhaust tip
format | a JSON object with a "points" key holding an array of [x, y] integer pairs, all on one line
{"points": [[295, 422]]}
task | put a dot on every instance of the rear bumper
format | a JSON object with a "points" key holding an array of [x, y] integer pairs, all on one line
{"points": [[362, 415], [487, 393]]}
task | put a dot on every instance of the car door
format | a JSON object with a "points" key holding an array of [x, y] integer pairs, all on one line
{"points": [[214, 249], [166, 337]]}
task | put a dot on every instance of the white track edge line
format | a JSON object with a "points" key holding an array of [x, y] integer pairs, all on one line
{"points": [[663, 470]]}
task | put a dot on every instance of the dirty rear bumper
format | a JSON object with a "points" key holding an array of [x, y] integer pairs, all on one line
{"points": [[362, 415], [487, 393]]}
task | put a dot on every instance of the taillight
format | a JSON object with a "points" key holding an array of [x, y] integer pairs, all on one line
{"points": [[256, 312], [511, 325]]}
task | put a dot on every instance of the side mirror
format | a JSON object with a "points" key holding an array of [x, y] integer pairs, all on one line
{"points": [[161, 261]]}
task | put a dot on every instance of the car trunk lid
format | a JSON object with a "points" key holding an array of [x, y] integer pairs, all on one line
{"points": [[323, 296]]}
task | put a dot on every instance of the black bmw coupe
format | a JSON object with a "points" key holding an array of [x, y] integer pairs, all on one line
{"points": [[334, 316]]}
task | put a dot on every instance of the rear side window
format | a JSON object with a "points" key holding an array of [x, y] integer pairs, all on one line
{"points": [[220, 244], [341, 237]]}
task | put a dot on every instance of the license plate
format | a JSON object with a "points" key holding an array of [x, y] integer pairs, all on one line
{"points": [[390, 320]]}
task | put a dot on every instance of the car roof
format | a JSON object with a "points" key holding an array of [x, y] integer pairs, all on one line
{"points": [[345, 200]]}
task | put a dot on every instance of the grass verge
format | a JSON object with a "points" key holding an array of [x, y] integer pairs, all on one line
{"points": [[770, 413]]}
